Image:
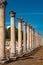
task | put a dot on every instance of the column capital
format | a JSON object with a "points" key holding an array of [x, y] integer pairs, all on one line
{"points": [[25, 24], [33, 29], [3, 3], [12, 13], [20, 20], [28, 25]]}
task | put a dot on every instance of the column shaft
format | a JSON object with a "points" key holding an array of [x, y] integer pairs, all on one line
{"points": [[19, 36], [32, 38], [13, 40], [36, 40], [2, 30], [28, 37], [2, 33], [25, 38]]}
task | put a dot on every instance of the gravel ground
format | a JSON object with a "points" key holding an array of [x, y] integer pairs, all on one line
{"points": [[34, 59]]}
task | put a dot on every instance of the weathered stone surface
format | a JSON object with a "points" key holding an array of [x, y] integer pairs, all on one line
{"points": [[19, 36], [13, 40], [2, 30], [25, 38]]}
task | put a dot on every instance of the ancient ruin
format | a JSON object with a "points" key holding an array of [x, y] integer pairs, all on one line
{"points": [[31, 39]]}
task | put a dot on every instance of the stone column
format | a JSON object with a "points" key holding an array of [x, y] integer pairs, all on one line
{"points": [[39, 39], [25, 38], [36, 40], [19, 36], [28, 37], [2, 29], [13, 41], [33, 38], [33, 44]]}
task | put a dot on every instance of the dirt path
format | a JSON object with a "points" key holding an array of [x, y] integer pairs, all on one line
{"points": [[34, 59]]}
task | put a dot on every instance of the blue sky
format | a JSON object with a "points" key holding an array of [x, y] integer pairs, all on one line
{"points": [[29, 10]]}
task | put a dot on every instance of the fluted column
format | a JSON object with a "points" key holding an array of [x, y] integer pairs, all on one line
{"points": [[2, 29], [28, 37], [13, 41], [25, 38], [19, 36]]}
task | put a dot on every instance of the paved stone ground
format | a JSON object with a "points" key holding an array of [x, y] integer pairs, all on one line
{"points": [[35, 59]]}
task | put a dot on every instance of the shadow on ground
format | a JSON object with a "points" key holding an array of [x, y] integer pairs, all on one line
{"points": [[26, 56]]}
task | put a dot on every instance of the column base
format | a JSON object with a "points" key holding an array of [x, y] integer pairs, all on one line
{"points": [[31, 49], [13, 56], [24, 52], [21, 55], [28, 50], [3, 61], [20, 52]]}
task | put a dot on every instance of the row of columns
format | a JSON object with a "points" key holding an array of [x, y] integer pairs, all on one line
{"points": [[29, 35]]}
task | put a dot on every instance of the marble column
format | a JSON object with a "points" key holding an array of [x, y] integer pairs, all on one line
{"points": [[19, 36], [28, 37], [2, 29], [25, 38], [13, 41]]}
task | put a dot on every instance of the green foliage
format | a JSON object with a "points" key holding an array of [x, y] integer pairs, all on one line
{"points": [[8, 34]]}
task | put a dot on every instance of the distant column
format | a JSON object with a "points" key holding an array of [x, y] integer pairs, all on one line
{"points": [[2, 29], [13, 41], [25, 38], [36, 40], [39, 40], [33, 38], [28, 37], [19, 36]]}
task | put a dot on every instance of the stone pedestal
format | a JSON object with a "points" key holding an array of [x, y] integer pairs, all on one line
{"points": [[28, 38], [25, 38], [2, 29], [19, 36], [13, 41]]}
